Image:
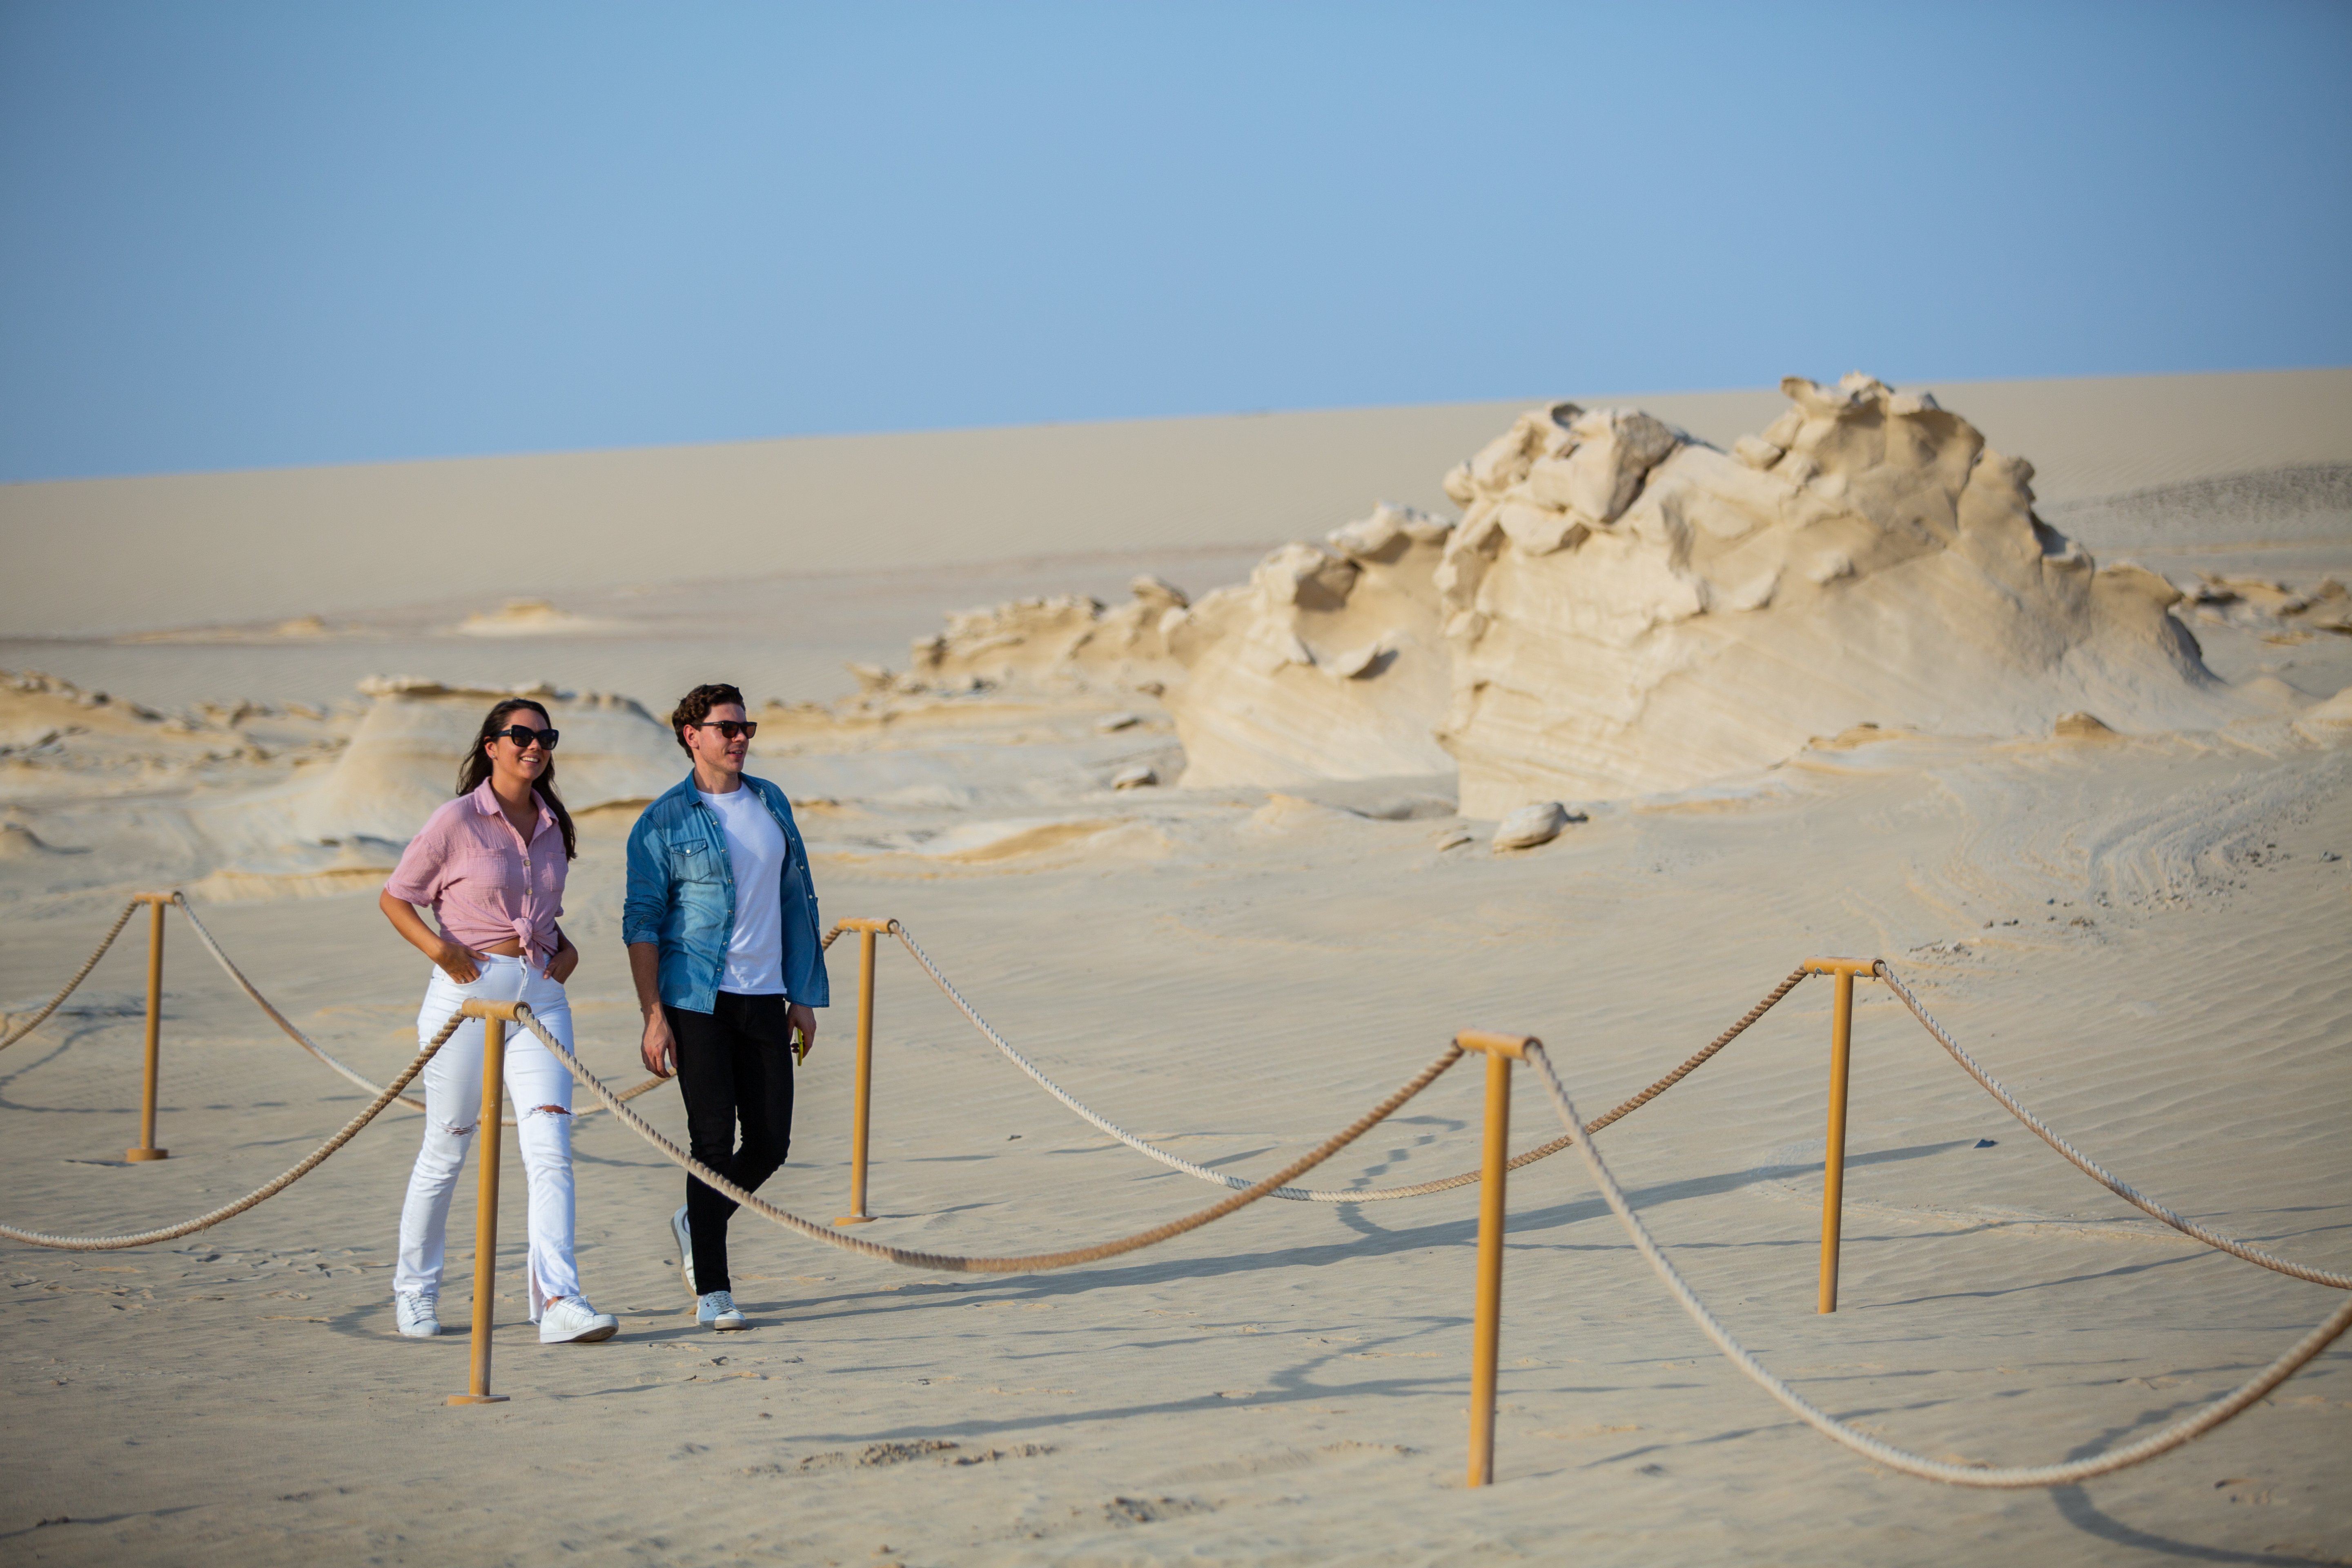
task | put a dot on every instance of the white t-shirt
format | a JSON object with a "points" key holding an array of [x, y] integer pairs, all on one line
{"points": [[755, 956]]}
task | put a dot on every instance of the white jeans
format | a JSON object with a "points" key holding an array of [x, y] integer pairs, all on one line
{"points": [[453, 1105]]}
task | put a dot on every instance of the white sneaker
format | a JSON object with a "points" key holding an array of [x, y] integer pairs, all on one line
{"points": [[413, 1310], [685, 1239], [718, 1310], [574, 1321]]}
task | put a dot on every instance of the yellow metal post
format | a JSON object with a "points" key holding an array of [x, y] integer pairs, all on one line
{"points": [[494, 1017], [862, 1115], [1833, 1146], [1486, 1326], [146, 1148]]}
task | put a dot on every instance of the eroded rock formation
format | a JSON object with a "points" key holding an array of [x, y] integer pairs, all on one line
{"points": [[1070, 637], [1624, 610], [1629, 611], [402, 759]]}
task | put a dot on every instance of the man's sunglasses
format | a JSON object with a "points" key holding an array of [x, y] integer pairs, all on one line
{"points": [[523, 735], [730, 728]]}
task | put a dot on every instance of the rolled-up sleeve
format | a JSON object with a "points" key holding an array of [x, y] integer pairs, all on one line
{"points": [[424, 865], [646, 900]]}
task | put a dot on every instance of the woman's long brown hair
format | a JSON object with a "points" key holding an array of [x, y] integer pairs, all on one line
{"points": [[476, 768]]}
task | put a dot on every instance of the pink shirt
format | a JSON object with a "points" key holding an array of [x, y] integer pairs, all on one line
{"points": [[485, 884]]}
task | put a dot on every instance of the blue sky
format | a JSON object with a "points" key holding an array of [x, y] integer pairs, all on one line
{"points": [[242, 234]]}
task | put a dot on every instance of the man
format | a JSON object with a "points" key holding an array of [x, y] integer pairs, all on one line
{"points": [[720, 920]]}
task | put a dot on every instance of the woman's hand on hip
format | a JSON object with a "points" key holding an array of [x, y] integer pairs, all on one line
{"points": [[461, 965], [563, 962], [659, 1050]]}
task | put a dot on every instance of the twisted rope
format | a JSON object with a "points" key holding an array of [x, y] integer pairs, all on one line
{"points": [[1771, 999], [953, 1263], [80, 976], [303, 1040], [2190, 1426], [1323, 1195], [276, 1017], [2091, 1169], [271, 1190]]}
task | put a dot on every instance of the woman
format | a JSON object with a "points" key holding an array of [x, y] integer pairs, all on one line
{"points": [[491, 863]]}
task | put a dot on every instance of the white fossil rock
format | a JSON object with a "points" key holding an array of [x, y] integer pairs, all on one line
{"points": [[1532, 825]]}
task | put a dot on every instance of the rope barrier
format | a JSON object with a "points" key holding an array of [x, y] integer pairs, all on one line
{"points": [[1324, 1194], [953, 1263], [2190, 1426], [269, 1190], [2091, 1169], [80, 976], [1579, 1134], [303, 1040]]}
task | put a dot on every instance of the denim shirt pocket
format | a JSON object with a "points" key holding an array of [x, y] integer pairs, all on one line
{"points": [[690, 859]]}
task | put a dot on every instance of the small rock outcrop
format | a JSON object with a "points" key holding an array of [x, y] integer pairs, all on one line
{"points": [[2329, 723], [1068, 636], [2081, 727], [1533, 825]]}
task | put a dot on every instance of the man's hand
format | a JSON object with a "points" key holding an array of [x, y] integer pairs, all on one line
{"points": [[800, 1015], [659, 1051], [461, 965]]}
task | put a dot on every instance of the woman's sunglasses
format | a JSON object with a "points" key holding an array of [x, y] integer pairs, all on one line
{"points": [[523, 735], [730, 728]]}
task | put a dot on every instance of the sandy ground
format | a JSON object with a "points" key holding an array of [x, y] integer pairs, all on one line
{"points": [[2147, 938]]}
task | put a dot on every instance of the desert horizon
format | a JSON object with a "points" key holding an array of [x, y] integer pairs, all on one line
{"points": [[188, 552]]}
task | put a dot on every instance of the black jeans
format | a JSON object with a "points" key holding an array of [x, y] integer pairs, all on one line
{"points": [[734, 1062]]}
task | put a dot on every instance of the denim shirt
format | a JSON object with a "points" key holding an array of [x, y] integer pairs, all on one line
{"points": [[681, 894]]}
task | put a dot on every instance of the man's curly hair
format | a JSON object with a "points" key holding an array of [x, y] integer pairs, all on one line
{"points": [[695, 706]]}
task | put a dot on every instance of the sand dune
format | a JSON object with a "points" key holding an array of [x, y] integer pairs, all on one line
{"points": [[198, 550]]}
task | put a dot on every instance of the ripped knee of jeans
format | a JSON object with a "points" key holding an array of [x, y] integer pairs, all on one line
{"points": [[549, 1110], [457, 1132]]}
